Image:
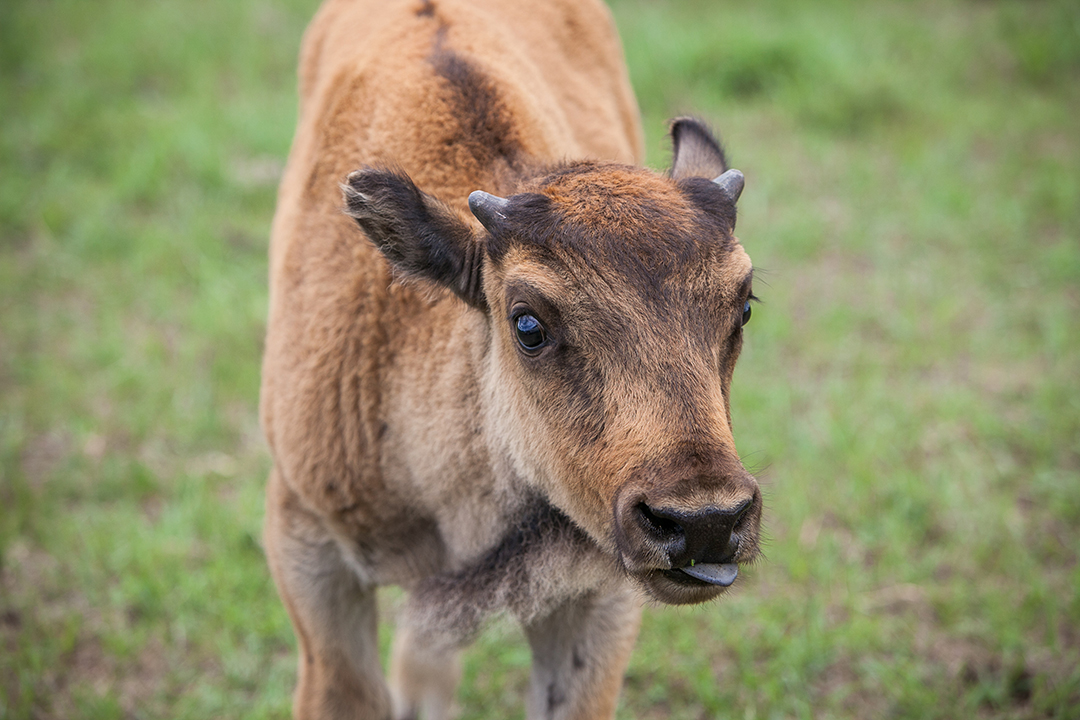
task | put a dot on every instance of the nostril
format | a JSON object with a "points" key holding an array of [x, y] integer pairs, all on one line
{"points": [[660, 527], [738, 512], [664, 533]]}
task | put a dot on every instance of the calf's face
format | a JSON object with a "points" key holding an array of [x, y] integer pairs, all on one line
{"points": [[616, 299]]}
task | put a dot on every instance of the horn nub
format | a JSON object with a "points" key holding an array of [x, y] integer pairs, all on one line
{"points": [[489, 209], [731, 183]]}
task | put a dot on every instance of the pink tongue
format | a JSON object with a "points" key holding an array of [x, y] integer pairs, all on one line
{"points": [[715, 574]]}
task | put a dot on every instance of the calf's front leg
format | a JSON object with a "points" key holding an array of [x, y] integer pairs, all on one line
{"points": [[580, 652], [423, 676], [332, 611]]}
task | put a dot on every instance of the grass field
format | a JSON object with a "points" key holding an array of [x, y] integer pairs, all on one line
{"points": [[909, 392]]}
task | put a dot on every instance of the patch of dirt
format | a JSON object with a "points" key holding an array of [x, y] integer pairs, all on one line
{"points": [[37, 609], [90, 669], [1012, 682], [840, 681], [42, 455]]}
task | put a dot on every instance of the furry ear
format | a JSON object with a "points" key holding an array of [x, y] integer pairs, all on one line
{"points": [[696, 152], [420, 235]]}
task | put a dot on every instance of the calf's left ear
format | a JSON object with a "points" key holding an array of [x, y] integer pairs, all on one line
{"points": [[420, 235]]}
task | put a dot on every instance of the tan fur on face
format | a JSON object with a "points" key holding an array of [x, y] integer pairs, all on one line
{"points": [[645, 417]]}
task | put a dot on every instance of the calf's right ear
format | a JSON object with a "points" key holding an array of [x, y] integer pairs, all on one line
{"points": [[695, 150], [698, 154], [420, 235]]}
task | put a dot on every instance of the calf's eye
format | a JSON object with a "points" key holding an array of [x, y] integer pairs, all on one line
{"points": [[530, 333], [746, 312]]}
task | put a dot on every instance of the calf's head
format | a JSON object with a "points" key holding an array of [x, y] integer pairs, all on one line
{"points": [[615, 300]]}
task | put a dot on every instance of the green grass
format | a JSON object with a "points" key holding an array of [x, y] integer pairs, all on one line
{"points": [[908, 393]]}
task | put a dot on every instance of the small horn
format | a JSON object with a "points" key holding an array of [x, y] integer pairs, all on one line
{"points": [[731, 183], [489, 209]]}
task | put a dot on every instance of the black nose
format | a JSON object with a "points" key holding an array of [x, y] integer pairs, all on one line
{"points": [[703, 536]]}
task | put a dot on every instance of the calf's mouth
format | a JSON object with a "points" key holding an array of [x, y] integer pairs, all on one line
{"points": [[722, 574]]}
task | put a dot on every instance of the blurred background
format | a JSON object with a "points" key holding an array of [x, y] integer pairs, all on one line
{"points": [[908, 392]]}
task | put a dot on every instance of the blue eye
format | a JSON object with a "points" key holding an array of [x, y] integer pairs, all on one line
{"points": [[746, 312], [530, 333]]}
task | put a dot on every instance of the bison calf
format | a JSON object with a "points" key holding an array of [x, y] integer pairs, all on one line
{"points": [[498, 358]]}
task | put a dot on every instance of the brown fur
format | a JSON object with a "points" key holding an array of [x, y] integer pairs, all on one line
{"points": [[414, 441]]}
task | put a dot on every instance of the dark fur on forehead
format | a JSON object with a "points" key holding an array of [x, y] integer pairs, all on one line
{"points": [[637, 223]]}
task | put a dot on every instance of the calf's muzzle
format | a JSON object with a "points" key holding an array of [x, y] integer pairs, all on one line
{"points": [[695, 534]]}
